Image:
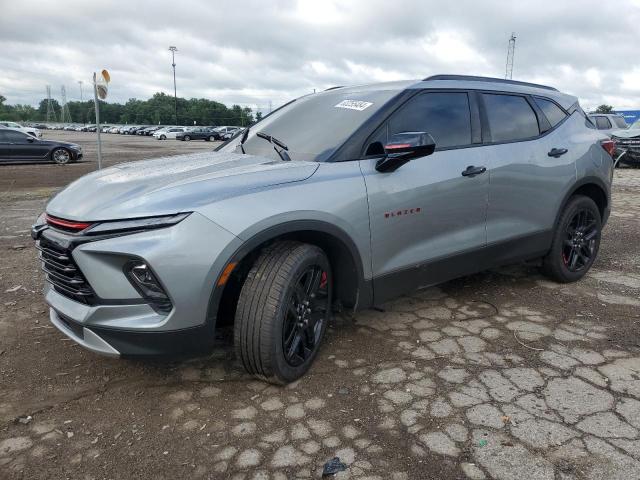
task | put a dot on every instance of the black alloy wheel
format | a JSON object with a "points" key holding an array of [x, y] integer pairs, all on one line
{"points": [[580, 242], [305, 315], [575, 242]]}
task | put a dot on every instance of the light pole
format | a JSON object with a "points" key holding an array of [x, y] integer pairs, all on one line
{"points": [[80, 82], [175, 96]]}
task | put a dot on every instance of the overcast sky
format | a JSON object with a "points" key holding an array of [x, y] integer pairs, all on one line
{"points": [[254, 52]]}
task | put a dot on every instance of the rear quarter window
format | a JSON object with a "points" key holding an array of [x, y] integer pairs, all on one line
{"points": [[511, 118], [550, 110]]}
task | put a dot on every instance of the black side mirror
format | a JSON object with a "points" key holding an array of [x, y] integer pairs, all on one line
{"points": [[403, 147]]}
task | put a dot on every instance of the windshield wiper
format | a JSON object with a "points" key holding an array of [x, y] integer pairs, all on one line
{"points": [[282, 153]]}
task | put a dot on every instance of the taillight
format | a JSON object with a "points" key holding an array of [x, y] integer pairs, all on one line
{"points": [[609, 146]]}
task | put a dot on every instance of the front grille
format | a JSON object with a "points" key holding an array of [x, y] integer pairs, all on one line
{"points": [[62, 272]]}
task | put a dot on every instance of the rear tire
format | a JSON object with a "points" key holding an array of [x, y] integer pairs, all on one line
{"points": [[575, 242], [211, 138], [283, 311]]}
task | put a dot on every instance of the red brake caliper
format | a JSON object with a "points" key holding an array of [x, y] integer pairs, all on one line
{"points": [[323, 280]]}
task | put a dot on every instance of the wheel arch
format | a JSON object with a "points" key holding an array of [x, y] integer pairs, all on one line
{"points": [[592, 187], [350, 287]]}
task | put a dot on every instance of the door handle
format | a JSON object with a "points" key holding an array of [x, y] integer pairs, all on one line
{"points": [[557, 152], [472, 171]]}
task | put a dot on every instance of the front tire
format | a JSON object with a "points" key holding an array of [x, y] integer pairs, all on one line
{"points": [[186, 138], [575, 242], [61, 156], [163, 137], [283, 311]]}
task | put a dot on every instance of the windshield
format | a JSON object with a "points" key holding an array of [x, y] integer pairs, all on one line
{"points": [[315, 126]]}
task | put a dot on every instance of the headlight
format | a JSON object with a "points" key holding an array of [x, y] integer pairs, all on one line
{"points": [[135, 224]]}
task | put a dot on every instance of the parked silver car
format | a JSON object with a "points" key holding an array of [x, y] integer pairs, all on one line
{"points": [[341, 199], [627, 142], [608, 122]]}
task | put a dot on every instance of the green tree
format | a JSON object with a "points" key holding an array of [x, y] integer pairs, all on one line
{"points": [[604, 109], [159, 109]]}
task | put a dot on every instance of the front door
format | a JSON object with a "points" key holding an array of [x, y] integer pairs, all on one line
{"points": [[25, 146], [427, 218]]}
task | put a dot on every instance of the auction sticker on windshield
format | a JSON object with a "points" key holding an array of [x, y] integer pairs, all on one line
{"points": [[354, 105]]}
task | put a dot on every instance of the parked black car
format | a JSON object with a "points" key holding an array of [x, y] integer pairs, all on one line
{"points": [[147, 132], [17, 147], [197, 134]]}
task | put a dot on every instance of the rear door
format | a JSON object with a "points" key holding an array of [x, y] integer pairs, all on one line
{"points": [[531, 166], [426, 218]]}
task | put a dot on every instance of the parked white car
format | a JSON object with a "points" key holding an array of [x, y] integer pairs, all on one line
{"points": [[168, 133], [16, 126]]}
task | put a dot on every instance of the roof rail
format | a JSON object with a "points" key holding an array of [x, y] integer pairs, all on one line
{"points": [[333, 88], [472, 78]]}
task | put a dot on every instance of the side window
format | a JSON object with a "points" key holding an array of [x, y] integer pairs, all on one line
{"points": [[619, 121], [510, 117], [553, 113], [603, 123], [444, 115], [14, 136]]}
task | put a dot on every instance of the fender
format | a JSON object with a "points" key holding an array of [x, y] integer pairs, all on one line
{"points": [[590, 180], [316, 232]]}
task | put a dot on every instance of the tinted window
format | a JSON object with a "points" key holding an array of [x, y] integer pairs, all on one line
{"points": [[619, 121], [553, 113], [445, 116], [13, 136], [603, 123], [510, 118]]}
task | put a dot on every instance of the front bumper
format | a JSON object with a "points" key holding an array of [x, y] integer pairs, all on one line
{"points": [[187, 258]]}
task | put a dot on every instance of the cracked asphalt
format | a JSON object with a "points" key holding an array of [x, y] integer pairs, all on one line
{"points": [[500, 375]]}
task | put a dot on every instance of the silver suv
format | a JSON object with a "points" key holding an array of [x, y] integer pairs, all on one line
{"points": [[608, 122], [341, 199]]}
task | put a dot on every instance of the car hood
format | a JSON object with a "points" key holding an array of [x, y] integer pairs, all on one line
{"points": [[629, 133], [171, 185]]}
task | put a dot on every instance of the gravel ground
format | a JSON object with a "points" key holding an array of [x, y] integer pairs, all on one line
{"points": [[499, 375]]}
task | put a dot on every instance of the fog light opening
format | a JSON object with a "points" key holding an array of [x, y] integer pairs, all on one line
{"points": [[148, 286]]}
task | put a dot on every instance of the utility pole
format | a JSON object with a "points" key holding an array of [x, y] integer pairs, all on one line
{"points": [[80, 82], [51, 112], [511, 51], [175, 95], [65, 114]]}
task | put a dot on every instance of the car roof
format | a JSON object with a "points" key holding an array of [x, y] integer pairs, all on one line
{"points": [[467, 82]]}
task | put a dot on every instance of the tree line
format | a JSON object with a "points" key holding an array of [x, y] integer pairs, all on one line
{"points": [[158, 110]]}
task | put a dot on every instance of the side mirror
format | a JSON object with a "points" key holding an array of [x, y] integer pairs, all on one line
{"points": [[403, 147], [30, 139]]}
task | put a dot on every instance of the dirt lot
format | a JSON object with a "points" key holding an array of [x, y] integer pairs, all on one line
{"points": [[115, 149], [500, 375]]}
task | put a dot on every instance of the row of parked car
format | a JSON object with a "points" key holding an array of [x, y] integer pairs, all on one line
{"points": [[625, 137], [160, 132], [166, 132]]}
